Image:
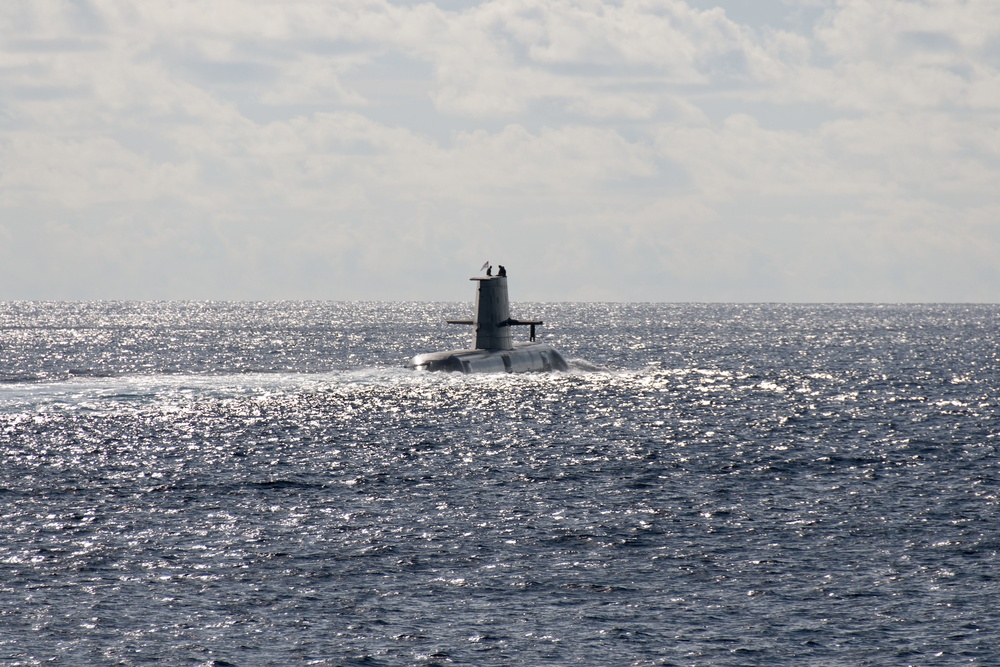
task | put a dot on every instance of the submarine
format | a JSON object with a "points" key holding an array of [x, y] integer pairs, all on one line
{"points": [[492, 348]]}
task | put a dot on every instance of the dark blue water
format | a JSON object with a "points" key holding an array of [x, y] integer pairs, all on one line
{"points": [[247, 484]]}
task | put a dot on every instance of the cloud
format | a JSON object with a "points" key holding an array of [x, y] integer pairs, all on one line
{"points": [[645, 149]]}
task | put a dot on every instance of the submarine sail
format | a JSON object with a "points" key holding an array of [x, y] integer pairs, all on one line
{"points": [[493, 349]]}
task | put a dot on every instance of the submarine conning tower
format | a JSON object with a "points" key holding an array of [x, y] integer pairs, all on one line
{"points": [[491, 320]]}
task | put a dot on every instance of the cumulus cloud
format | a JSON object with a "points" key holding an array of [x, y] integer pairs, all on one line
{"points": [[638, 149]]}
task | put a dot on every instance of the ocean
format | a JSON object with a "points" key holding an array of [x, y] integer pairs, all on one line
{"points": [[198, 483]]}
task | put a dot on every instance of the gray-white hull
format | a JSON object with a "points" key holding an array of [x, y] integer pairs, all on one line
{"points": [[493, 350], [523, 358]]}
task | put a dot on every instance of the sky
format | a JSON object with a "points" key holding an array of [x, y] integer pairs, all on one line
{"points": [[646, 150]]}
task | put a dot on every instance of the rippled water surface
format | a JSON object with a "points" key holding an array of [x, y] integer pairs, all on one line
{"points": [[245, 484]]}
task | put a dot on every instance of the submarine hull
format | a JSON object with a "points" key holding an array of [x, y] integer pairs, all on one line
{"points": [[521, 358], [492, 349]]}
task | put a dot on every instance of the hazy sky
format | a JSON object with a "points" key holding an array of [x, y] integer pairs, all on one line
{"points": [[648, 150]]}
